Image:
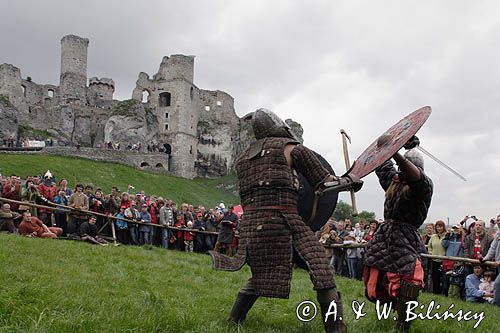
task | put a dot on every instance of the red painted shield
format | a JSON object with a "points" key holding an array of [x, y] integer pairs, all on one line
{"points": [[390, 142]]}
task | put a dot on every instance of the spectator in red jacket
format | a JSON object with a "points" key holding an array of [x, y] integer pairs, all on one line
{"points": [[48, 191], [33, 227], [11, 190]]}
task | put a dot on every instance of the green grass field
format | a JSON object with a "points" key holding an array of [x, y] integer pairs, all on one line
{"points": [[208, 192], [67, 286]]}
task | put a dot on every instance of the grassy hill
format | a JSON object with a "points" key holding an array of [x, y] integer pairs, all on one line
{"points": [[66, 286], [208, 192]]}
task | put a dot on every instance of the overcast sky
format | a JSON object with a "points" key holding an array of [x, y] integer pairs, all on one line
{"points": [[357, 65]]}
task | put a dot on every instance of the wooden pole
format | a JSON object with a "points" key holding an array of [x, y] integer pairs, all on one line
{"points": [[347, 167], [424, 255], [113, 233]]}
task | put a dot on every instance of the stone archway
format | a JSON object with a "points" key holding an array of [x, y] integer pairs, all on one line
{"points": [[168, 148], [144, 164]]}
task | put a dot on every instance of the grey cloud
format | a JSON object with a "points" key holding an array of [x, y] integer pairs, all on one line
{"points": [[358, 65]]}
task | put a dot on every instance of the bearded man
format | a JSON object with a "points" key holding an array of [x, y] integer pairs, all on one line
{"points": [[273, 235]]}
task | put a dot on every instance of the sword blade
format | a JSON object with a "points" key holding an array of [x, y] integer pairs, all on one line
{"points": [[441, 163]]}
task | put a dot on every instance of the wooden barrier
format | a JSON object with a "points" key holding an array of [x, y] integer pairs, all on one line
{"points": [[70, 210], [424, 255]]}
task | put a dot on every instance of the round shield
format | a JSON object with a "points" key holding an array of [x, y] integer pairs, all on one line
{"points": [[390, 142], [326, 203]]}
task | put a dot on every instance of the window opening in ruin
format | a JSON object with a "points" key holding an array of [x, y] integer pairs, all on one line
{"points": [[159, 165], [50, 93], [144, 164], [145, 96], [166, 114], [166, 127], [191, 149], [207, 107], [164, 99], [191, 93], [219, 103], [29, 109], [24, 90]]}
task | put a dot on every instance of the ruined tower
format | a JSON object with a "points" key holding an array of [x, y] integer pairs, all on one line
{"points": [[175, 98], [73, 80], [101, 89], [11, 84]]}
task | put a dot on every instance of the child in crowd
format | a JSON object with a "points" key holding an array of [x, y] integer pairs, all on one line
{"points": [[178, 238], [188, 238], [122, 226], [488, 285], [457, 278]]}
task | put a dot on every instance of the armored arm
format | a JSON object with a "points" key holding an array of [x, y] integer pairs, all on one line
{"points": [[306, 163], [408, 169]]}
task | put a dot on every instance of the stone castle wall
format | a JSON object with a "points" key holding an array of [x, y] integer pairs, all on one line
{"points": [[199, 128]]}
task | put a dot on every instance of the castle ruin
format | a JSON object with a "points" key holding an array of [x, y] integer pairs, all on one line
{"points": [[198, 129]]}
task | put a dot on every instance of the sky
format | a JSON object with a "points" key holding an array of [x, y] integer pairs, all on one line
{"points": [[356, 65]]}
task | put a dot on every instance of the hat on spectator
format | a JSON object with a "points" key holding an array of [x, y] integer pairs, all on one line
{"points": [[23, 208], [144, 205], [123, 206], [132, 203], [456, 226], [222, 206], [199, 214]]}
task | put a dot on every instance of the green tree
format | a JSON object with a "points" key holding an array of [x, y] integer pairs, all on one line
{"points": [[344, 211], [366, 215]]}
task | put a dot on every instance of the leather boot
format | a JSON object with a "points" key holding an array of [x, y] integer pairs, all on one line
{"points": [[408, 292], [334, 324], [242, 305]]}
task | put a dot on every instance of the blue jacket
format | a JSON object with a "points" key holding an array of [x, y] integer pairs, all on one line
{"points": [[452, 243], [120, 224], [147, 219], [60, 201], [472, 292]]}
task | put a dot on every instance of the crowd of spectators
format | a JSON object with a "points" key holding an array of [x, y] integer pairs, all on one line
{"points": [[38, 141], [471, 282], [142, 147], [9, 142], [141, 219], [85, 212]]}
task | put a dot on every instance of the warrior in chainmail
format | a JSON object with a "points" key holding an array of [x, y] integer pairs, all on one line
{"points": [[272, 234], [393, 271]]}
